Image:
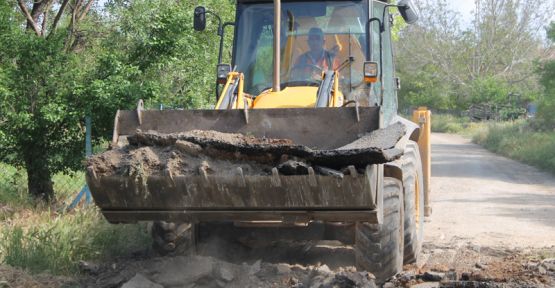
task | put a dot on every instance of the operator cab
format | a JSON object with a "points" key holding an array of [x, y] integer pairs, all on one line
{"points": [[340, 24], [330, 54]]}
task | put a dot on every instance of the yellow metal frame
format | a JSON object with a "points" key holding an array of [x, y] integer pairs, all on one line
{"points": [[337, 99], [290, 97], [417, 202], [423, 117], [240, 101]]}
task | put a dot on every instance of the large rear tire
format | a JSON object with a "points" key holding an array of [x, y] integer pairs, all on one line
{"points": [[168, 237], [413, 185], [379, 247]]}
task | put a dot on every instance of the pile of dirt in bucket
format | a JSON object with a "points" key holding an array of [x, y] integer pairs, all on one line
{"points": [[192, 152]]}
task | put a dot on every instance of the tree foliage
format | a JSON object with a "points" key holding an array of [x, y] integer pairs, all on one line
{"points": [[451, 65], [546, 71], [151, 52], [40, 119], [61, 60]]}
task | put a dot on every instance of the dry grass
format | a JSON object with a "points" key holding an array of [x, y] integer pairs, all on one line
{"points": [[517, 140], [16, 278], [41, 237], [520, 140]]}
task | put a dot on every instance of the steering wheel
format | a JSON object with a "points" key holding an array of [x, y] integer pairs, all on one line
{"points": [[307, 72]]}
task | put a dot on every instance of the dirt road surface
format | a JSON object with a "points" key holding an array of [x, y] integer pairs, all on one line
{"points": [[493, 219], [488, 199]]}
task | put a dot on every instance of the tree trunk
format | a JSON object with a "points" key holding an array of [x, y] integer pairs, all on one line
{"points": [[39, 177]]}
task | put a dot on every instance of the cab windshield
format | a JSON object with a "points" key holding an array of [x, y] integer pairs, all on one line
{"points": [[315, 36]]}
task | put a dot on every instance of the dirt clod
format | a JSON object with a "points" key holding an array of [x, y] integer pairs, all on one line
{"points": [[505, 267], [188, 147], [433, 276], [548, 264], [291, 167], [88, 267], [140, 281]]}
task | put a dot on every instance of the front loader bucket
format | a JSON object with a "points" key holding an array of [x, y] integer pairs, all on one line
{"points": [[301, 165]]}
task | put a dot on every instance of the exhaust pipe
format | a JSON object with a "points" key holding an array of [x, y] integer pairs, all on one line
{"points": [[277, 46]]}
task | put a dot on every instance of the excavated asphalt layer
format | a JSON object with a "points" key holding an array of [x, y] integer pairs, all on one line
{"points": [[373, 148]]}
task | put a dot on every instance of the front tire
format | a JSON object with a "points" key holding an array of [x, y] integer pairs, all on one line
{"points": [[413, 185], [379, 247]]}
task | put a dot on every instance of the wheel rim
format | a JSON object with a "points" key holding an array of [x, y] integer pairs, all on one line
{"points": [[401, 231], [417, 203]]}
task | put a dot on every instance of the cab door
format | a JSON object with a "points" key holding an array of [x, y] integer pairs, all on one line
{"points": [[389, 104]]}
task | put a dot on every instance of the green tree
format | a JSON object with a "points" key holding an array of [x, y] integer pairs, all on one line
{"points": [[546, 71], [63, 59], [497, 52], [428, 53], [152, 52], [40, 78]]}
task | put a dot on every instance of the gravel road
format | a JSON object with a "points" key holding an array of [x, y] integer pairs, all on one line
{"points": [[488, 199], [493, 220]]}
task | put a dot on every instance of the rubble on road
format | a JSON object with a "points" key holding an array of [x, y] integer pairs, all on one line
{"points": [[468, 265], [140, 281], [294, 265], [205, 271]]}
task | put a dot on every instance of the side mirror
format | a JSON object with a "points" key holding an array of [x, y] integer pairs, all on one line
{"points": [[408, 11], [370, 72], [223, 70], [200, 19]]}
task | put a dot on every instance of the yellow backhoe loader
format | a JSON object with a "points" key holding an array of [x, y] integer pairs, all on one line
{"points": [[304, 134]]}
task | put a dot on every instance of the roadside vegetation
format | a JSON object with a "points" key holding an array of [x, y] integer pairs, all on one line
{"points": [[41, 237], [448, 65], [529, 140], [65, 62], [47, 241], [61, 61], [519, 141], [522, 140], [446, 123]]}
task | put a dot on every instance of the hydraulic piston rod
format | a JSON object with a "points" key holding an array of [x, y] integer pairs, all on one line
{"points": [[277, 45]]}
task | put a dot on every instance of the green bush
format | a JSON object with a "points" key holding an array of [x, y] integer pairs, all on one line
{"points": [[36, 238], [13, 185], [444, 123], [512, 139], [545, 119], [56, 244]]}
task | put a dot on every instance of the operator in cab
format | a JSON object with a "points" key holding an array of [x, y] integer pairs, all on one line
{"points": [[317, 59]]}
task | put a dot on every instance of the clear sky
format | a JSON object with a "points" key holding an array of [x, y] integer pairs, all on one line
{"points": [[465, 7]]}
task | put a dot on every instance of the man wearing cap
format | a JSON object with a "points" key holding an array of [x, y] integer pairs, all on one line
{"points": [[317, 56]]}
